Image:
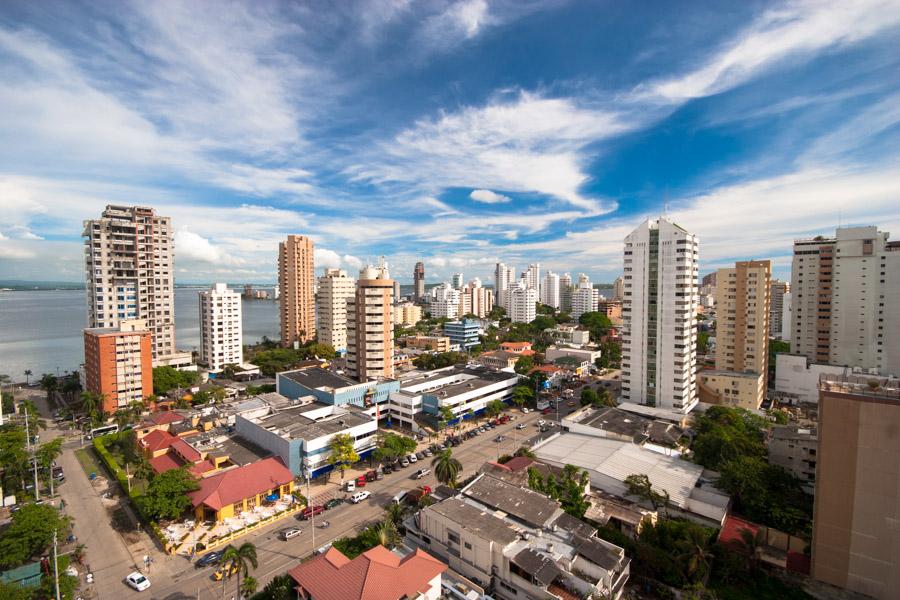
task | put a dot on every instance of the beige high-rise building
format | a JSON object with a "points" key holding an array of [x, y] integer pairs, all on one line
{"points": [[370, 326], [335, 288], [856, 540], [407, 314], [129, 273], [841, 292], [742, 337], [296, 280], [777, 292], [475, 299], [619, 288]]}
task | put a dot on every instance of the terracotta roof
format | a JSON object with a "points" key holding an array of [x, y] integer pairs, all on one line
{"points": [[516, 345], [204, 466], [165, 418], [731, 530], [518, 463], [157, 440], [185, 450], [236, 484], [547, 369], [378, 574], [164, 463]]}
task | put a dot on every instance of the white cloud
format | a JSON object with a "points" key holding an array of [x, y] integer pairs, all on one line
{"points": [[326, 259], [793, 30], [193, 247], [353, 261], [528, 144], [488, 197]]}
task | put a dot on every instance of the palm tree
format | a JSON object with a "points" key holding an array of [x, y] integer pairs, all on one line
{"points": [[281, 587], [28, 373], [752, 545], [387, 534], [243, 557], [395, 513], [695, 554], [446, 468], [90, 401], [248, 586]]}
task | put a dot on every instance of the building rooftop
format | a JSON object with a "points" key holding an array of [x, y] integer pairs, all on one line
{"points": [[314, 420], [236, 484], [218, 442], [793, 432], [477, 520], [526, 505], [317, 378], [623, 423], [541, 567], [377, 574]]}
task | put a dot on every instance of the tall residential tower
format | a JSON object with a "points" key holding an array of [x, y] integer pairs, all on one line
{"points": [[335, 288], [129, 273], [370, 325], [296, 276], [221, 338], [659, 350], [419, 282]]}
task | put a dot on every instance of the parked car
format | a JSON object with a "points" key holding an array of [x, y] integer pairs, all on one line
{"points": [[541, 422], [427, 452], [520, 426], [310, 511], [570, 403], [420, 455], [411, 457], [210, 558], [379, 475], [421, 473], [404, 462], [387, 469], [137, 581], [289, 533], [371, 476], [526, 410], [360, 496], [547, 411], [361, 481], [499, 438], [350, 486], [333, 503]]}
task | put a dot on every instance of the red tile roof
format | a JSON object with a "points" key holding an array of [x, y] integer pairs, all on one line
{"points": [[236, 484], [731, 529], [516, 346], [519, 463], [185, 450], [166, 462], [157, 440], [378, 574], [204, 466], [165, 418]]}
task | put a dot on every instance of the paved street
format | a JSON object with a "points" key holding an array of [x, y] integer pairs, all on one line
{"points": [[173, 577]]}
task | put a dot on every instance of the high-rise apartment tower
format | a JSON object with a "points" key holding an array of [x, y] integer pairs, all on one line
{"points": [[296, 277], [335, 288], [370, 325], [221, 338]]}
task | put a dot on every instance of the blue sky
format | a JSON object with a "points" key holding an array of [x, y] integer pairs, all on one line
{"points": [[458, 133]]}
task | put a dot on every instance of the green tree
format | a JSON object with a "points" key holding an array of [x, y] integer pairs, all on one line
{"points": [[429, 362], [388, 536], [167, 495], [168, 378], [243, 557], [91, 402], [392, 446], [395, 513], [49, 383], [597, 323], [248, 586], [694, 554], [640, 487], [30, 533], [28, 373], [343, 454], [524, 365], [702, 342], [610, 355], [494, 408], [14, 591], [14, 459], [445, 415], [589, 396], [522, 395], [446, 467], [47, 453], [280, 587]]}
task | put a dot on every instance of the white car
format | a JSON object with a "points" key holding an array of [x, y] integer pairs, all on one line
{"points": [[412, 458], [541, 423], [360, 496], [137, 581], [525, 410], [520, 426]]}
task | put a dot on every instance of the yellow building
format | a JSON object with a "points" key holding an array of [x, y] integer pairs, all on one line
{"points": [[234, 491]]}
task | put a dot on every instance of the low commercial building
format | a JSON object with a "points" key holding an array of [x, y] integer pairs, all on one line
{"points": [[377, 574], [464, 333], [435, 343], [797, 379], [499, 359], [300, 435], [234, 491], [609, 462], [732, 388], [520, 542], [616, 424], [574, 366], [464, 390], [611, 308], [118, 363], [407, 314], [795, 449], [570, 335], [330, 387], [521, 348], [588, 354]]}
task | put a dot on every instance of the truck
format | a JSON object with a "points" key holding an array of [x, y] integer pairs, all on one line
{"points": [[416, 495]]}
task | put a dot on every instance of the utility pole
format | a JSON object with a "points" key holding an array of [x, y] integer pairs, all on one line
{"points": [[312, 512], [55, 566]]}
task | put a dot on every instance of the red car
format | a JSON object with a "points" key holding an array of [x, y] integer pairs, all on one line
{"points": [[361, 481], [547, 411], [371, 476], [309, 511]]}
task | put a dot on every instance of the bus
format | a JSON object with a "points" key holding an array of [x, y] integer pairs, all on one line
{"points": [[105, 430]]}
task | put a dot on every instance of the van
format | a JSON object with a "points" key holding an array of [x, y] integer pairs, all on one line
{"points": [[289, 533], [351, 486], [399, 498]]}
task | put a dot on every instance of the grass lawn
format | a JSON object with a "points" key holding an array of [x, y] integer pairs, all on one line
{"points": [[89, 462]]}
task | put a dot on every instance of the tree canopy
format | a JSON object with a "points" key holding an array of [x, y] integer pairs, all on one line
{"points": [[343, 454], [168, 378], [273, 359], [598, 324], [392, 445], [167, 495], [439, 361], [30, 533]]}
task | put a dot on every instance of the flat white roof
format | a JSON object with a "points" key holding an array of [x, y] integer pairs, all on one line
{"points": [[617, 460]]}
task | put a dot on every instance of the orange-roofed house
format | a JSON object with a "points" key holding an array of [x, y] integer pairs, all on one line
{"points": [[231, 492], [378, 574], [523, 348]]}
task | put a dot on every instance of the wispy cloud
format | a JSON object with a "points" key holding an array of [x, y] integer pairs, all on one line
{"points": [[488, 197]]}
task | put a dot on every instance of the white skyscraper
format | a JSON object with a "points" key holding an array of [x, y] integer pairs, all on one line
{"points": [[444, 301], [504, 278], [129, 273], [533, 277], [457, 281], [659, 350], [584, 298], [335, 289], [550, 290], [221, 338], [522, 304]]}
